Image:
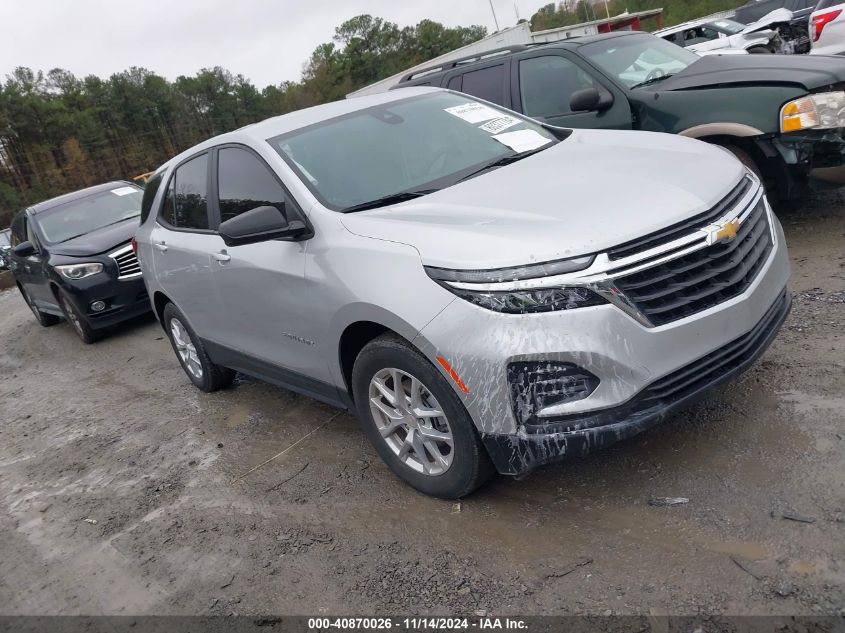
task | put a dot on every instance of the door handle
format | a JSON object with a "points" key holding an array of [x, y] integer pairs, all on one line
{"points": [[222, 256], [160, 246]]}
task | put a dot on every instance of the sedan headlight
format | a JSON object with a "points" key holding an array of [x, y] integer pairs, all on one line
{"points": [[519, 300], [79, 271], [824, 110]]}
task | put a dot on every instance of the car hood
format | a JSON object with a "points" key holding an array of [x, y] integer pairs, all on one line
{"points": [[801, 70], [592, 191], [99, 241]]}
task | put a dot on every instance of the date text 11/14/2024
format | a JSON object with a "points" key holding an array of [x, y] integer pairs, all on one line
{"points": [[416, 623]]}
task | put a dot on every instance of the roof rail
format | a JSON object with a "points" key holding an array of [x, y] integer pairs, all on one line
{"points": [[462, 61]]}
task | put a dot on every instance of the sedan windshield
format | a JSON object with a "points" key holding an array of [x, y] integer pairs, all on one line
{"points": [[405, 149], [80, 217], [637, 60]]}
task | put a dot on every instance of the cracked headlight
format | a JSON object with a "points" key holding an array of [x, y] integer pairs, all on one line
{"points": [[824, 110], [519, 300], [79, 271]]}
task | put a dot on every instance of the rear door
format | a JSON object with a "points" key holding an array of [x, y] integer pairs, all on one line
{"points": [[544, 81], [183, 241], [489, 81]]}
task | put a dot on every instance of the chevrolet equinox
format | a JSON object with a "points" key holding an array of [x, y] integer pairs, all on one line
{"points": [[486, 292]]}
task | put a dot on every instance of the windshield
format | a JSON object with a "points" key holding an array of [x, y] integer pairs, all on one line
{"points": [[89, 214], [638, 59], [727, 26], [419, 144], [4, 238]]}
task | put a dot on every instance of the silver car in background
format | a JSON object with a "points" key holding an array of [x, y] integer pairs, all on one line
{"points": [[488, 294]]}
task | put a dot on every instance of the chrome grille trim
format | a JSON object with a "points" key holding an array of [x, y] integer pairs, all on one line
{"points": [[603, 273], [128, 266]]}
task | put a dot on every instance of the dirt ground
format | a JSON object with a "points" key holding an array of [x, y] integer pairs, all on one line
{"points": [[188, 523]]}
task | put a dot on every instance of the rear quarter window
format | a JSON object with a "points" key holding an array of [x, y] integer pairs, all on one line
{"points": [[827, 4]]}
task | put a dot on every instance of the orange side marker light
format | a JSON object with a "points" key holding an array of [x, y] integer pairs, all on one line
{"points": [[452, 374]]}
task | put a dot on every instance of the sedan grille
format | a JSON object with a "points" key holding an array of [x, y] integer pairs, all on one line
{"points": [[128, 266], [703, 278]]}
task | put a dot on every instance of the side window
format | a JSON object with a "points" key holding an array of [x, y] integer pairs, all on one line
{"points": [[547, 83], [245, 182], [455, 83], [150, 191], [487, 83], [186, 201]]}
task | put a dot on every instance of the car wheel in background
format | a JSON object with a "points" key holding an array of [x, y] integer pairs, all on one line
{"points": [[415, 420], [77, 321], [759, 50], [189, 349], [44, 319]]}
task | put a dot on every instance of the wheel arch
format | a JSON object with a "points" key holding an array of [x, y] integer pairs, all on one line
{"points": [[723, 129], [352, 340], [160, 300]]}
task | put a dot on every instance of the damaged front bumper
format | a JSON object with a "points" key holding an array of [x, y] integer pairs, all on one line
{"points": [[522, 452], [819, 153]]}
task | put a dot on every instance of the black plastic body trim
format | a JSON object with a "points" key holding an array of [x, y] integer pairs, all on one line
{"points": [[280, 376]]}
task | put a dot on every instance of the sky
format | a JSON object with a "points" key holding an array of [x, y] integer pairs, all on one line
{"points": [[267, 41]]}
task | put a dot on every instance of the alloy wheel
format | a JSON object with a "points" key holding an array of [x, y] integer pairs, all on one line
{"points": [[186, 349], [71, 316], [411, 421]]}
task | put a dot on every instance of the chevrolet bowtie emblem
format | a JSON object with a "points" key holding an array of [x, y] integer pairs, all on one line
{"points": [[723, 232]]}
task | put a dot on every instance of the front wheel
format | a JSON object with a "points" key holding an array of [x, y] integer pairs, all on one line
{"points": [[759, 50], [415, 420], [85, 332], [191, 353]]}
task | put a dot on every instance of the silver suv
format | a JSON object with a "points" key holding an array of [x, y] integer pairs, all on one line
{"points": [[487, 293]]}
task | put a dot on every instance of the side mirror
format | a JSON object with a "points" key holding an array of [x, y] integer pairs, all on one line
{"points": [[260, 225], [24, 249], [590, 99]]}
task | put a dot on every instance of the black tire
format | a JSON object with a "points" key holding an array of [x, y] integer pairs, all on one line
{"points": [[746, 159], [760, 50], [470, 466], [77, 321], [213, 377], [44, 319]]}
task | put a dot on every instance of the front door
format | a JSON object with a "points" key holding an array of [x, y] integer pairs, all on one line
{"points": [[544, 83], [261, 287]]}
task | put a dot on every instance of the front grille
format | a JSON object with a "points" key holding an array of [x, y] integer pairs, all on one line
{"points": [[127, 262], [704, 278], [680, 229], [710, 368]]}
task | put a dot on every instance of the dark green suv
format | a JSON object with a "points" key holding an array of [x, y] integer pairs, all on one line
{"points": [[782, 115]]}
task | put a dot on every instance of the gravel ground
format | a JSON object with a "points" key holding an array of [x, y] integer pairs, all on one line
{"points": [[124, 490]]}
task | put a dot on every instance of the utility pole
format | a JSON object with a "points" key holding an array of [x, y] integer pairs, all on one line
{"points": [[493, 11], [607, 8]]}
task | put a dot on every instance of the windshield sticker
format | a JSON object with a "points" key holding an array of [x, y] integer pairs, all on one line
{"points": [[124, 191], [502, 123], [474, 112], [522, 140]]}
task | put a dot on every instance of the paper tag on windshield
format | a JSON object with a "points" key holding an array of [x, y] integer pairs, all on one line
{"points": [[123, 191], [501, 123], [522, 140], [473, 112]]}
